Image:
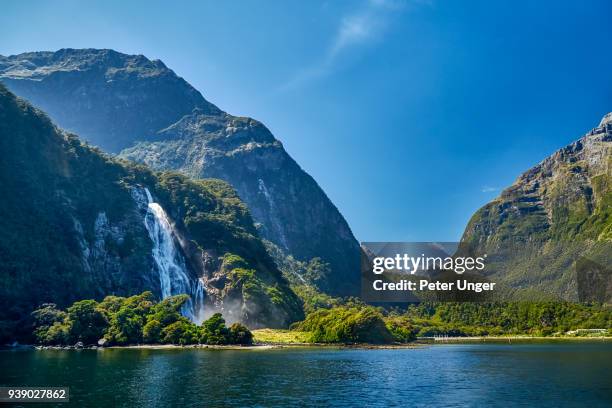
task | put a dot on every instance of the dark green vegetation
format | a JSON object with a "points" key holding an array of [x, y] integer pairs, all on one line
{"points": [[513, 318], [139, 319], [135, 320], [119, 101], [346, 325], [71, 228], [354, 322], [549, 235]]}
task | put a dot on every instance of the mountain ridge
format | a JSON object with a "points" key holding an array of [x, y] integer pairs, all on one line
{"points": [[155, 117], [555, 218]]}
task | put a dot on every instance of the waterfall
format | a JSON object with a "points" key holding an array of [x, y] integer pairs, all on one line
{"points": [[170, 263]]}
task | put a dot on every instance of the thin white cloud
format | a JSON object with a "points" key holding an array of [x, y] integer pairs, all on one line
{"points": [[489, 189], [354, 30]]}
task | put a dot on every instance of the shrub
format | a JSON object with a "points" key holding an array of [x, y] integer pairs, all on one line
{"points": [[180, 332], [239, 334], [401, 329], [214, 331], [346, 325]]}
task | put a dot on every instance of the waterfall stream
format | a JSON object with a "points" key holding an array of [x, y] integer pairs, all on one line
{"points": [[173, 276]]}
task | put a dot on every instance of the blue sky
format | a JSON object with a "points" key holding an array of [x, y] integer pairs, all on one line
{"points": [[410, 114]]}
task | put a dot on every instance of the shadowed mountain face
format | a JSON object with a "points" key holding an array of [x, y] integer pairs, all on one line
{"points": [[141, 108], [551, 231], [77, 224]]}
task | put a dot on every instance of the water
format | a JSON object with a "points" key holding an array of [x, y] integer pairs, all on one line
{"points": [[170, 263], [543, 375]]}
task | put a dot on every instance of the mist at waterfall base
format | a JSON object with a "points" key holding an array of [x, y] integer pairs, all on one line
{"points": [[174, 277]]}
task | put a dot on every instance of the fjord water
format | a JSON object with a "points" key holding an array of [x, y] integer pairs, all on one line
{"points": [[543, 375]]}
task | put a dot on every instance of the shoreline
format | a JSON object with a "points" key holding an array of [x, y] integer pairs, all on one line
{"points": [[420, 342], [502, 339]]}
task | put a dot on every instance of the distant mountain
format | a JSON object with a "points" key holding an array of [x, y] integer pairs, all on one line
{"points": [[129, 103], [550, 233], [75, 224], [109, 98]]}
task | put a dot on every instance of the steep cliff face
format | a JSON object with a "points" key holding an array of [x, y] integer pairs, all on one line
{"points": [[292, 210], [551, 231], [75, 224], [163, 122]]}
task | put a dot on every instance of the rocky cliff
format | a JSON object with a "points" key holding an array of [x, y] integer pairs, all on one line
{"points": [[75, 223], [119, 101], [550, 233]]}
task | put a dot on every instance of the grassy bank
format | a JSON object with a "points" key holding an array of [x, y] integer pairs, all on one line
{"points": [[291, 337], [278, 336]]}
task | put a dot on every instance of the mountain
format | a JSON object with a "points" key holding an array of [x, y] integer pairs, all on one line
{"points": [[550, 233], [106, 97], [140, 107], [76, 223]]}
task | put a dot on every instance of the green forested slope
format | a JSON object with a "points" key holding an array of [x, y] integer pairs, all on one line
{"points": [[70, 229]]}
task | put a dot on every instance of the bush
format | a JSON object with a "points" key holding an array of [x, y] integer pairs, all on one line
{"points": [[181, 332], [401, 329], [360, 324], [239, 334], [57, 334], [214, 331]]}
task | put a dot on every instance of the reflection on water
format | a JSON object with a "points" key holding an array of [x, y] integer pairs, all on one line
{"points": [[557, 374]]}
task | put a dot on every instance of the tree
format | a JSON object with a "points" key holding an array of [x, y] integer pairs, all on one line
{"points": [[127, 322], [151, 332], [125, 327], [168, 310], [180, 332], [214, 330], [401, 329], [47, 314], [317, 272], [87, 322], [240, 334]]}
